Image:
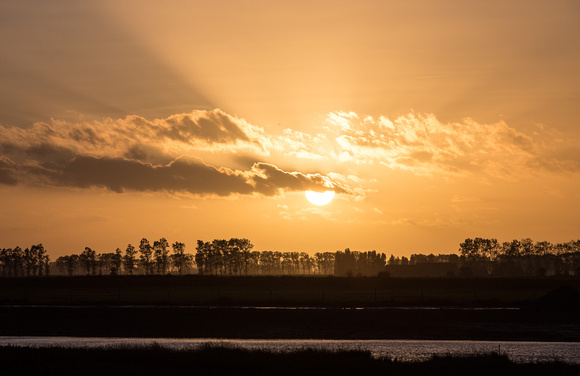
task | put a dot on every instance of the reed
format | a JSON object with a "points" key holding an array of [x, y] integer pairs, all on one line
{"points": [[217, 359]]}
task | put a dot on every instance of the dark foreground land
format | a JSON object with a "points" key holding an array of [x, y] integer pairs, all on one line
{"points": [[255, 323], [211, 360], [194, 290], [292, 308]]}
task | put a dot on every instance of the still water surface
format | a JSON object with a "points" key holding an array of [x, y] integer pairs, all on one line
{"points": [[400, 349]]}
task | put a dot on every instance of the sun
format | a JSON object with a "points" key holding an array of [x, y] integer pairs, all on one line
{"points": [[319, 198]]}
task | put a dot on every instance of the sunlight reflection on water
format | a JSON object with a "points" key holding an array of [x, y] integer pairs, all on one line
{"points": [[400, 349]]}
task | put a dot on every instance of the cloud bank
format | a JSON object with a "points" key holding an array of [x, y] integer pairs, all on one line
{"points": [[423, 145], [139, 138], [135, 154]]}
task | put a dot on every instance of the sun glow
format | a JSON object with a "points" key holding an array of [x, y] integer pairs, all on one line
{"points": [[319, 198]]}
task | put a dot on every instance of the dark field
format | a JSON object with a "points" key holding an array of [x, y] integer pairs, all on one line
{"points": [[210, 360], [332, 323], [276, 291], [204, 307]]}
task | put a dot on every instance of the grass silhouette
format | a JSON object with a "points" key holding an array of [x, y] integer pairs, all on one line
{"points": [[230, 360]]}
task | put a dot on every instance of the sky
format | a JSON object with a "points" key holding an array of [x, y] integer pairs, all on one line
{"points": [[432, 121]]}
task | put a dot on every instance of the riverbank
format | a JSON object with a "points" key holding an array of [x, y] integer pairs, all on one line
{"points": [[218, 360]]}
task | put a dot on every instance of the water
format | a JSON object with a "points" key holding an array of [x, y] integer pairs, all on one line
{"points": [[407, 350]]}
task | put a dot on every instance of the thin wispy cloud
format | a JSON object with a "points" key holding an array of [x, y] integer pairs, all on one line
{"points": [[463, 198]]}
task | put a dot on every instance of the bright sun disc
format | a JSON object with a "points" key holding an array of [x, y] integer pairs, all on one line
{"points": [[319, 198]]}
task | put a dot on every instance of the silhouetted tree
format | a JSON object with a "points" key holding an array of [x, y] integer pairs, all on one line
{"points": [[89, 260], [306, 263], [325, 262], [254, 264], [30, 261], [146, 257], [201, 257], [218, 251], [72, 264], [12, 260], [40, 257], [107, 263], [116, 262], [478, 256], [18, 257], [161, 254], [67, 265], [245, 247], [180, 259], [129, 259]]}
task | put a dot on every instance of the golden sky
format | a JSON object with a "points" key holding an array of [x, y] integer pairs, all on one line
{"points": [[433, 121]]}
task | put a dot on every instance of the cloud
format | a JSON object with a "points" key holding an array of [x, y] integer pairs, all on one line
{"points": [[7, 168], [268, 179], [177, 177], [138, 155], [437, 222], [121, 175], [423, 145], [208, 126], [134, 137], [303, 145]]}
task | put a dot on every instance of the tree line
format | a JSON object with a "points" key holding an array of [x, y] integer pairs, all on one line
{"points": [[354, 263], [516, 258], [32, 261], [148, 259], [235, 257], [222, 257]]}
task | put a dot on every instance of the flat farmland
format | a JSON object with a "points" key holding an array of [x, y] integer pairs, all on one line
{"points": [[275, 291]]}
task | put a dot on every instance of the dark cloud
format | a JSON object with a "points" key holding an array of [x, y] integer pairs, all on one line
{"points": [[42, 154], [269, 179], [138, 155], [7, 176], [178, 177], [212, 127], [85, 135], [121, 175], [149, 153], [158, 141], [47, 153]]}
